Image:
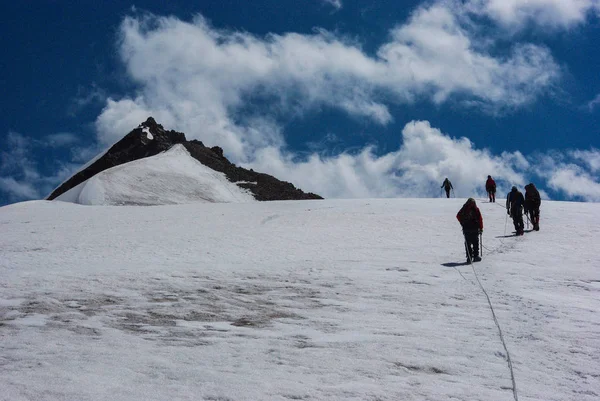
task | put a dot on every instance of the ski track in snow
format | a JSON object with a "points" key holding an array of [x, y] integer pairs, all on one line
{"points": [[299, 300]]}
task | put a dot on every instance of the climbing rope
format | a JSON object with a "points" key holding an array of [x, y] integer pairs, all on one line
{"points": [[512, 373]]}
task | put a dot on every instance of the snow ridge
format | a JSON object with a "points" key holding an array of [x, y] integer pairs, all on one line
{"points": [[171, 177]]}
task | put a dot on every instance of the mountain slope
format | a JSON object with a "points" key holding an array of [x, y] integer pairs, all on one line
{"points": [[320, 300], [172, 177], [150, 139]]}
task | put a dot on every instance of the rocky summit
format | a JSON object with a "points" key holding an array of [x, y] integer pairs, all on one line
{"points": [[150, 139]]}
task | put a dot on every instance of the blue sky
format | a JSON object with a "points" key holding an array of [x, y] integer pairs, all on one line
{"points": [[343, 98]]}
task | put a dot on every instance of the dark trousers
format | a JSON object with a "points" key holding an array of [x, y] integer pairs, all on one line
{"points": [[534, 217], [517, 217], [472, 243], [492, 195], [447, 192]]}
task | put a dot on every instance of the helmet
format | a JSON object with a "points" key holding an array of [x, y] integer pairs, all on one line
{"points": [[514, 189], [489, 176]]}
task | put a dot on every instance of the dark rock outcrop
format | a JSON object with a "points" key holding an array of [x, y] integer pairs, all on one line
{"points": [[150, 139]]}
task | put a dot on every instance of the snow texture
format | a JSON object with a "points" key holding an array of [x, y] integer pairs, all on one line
{"points": [[172, 177], [299, 300], [149, 135]]}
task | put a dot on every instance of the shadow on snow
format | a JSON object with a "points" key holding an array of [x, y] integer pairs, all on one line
{"points": [[454, 264]]}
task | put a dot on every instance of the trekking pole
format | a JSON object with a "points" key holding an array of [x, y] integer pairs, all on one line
{"points": [[481, 243], [467, 250], [505, 223]]}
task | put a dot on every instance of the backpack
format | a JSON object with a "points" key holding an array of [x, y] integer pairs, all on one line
{"points": [[469, 218], [532, 195], [516, 201]]}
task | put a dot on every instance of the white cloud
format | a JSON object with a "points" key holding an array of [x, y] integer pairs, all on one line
{"points": [[120, 117], [18, 190], [575, 182], [425, 158], [591, 158], [202, 81], [337, 4], [552, 14], [416, 169], [427, 155], [93, 95], [573, 173], [61, 139], [17, 157], [21, 176], [594, 102], [442, 59], [237, 90]]}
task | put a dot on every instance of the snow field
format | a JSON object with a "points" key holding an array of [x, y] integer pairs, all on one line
{"points": [[310, 300]]}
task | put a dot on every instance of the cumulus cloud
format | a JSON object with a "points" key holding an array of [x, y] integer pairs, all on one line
{"points": [[552, 14], [120, 117], [574, 173], [204, 80], [441, 56], [426, 156], [575, 182], [591, 158], [238, 91]]}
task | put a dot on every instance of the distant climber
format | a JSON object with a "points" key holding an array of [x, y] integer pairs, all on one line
{"points": [[514, 208], [471, 221], [532, 205], [490, 187], [447, 185]]}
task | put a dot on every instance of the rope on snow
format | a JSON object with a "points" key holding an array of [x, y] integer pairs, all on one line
{"points": [[512, 373]]}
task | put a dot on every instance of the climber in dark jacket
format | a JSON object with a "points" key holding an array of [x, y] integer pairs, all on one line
{"points": [[532, 205], [490, 187], [514, 208], [471, 221], [447, 185]]}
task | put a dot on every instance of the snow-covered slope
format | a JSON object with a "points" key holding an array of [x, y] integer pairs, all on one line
{"points": [[83, 167], [303, 300], [172, 177]]}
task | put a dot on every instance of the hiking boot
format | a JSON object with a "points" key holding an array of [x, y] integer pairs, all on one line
{"points": [[476, 259], [468, 261]]}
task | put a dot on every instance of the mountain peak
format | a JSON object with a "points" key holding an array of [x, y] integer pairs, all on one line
{"points": [[151, 122], [150, 139]]}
